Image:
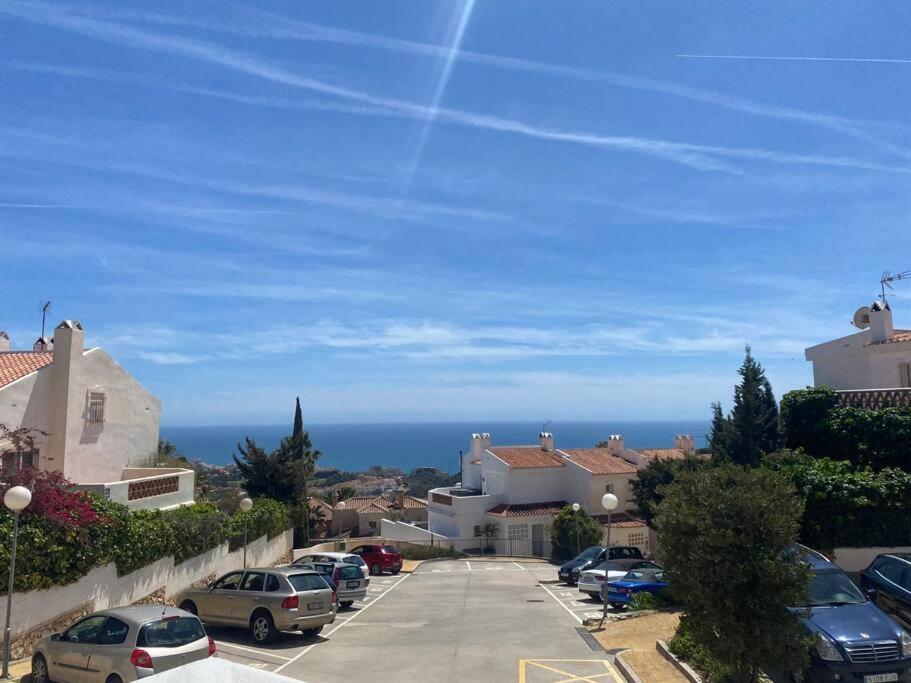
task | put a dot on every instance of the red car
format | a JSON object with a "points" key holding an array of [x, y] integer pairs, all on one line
{"points": [[380, 558]]}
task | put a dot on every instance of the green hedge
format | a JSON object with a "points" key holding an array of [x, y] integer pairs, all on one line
{"points": [[52, 555], [811, 420], [428, 552], [846, 505]]}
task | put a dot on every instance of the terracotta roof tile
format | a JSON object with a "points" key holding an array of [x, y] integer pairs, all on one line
{"points": [[662, 454], [412, 503], [527, 509], [600, 461], [527, 457], [898, 337], [17, 364], [316, 503], [621, 520], [360, 502]]}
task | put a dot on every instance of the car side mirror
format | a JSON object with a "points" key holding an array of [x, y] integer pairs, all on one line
{"points": [[57, 636], [871, 594]]}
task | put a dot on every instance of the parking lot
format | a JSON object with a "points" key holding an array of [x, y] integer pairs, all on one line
{"points": [[475, 620]]}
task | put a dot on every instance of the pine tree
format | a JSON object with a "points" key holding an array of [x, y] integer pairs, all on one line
{"points": [[265, 474], [751, 429]]}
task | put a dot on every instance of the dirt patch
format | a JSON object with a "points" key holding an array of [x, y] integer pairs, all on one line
{"points": [[409, 566], [638, 637]]}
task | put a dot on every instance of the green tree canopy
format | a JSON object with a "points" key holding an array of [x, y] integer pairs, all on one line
{"points": [[563, 543], [266, 474], [751, 429], [723, 533], [648, 486]]}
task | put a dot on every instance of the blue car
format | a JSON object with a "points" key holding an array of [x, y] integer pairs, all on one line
{"points": [[855, 641], [621, 591]]}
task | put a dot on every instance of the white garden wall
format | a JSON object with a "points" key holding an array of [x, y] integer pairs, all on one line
{"points": [[102, 588], [855, 559]]}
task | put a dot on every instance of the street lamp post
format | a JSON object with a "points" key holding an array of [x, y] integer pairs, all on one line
{"points": [[16, 499], [609, 502], [576, 508], [245, 506]]}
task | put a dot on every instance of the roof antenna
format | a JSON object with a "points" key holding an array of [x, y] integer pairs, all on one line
{"points": [[545, 426], [888, 278], [44, 309]]}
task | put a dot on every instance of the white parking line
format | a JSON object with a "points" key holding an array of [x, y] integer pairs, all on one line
{"points": [[469, 564], [520, 566], [560, 602], [310, 647], [221, 643]]}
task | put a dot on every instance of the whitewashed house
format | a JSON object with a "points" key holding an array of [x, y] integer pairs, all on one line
{"points": [[522, 488], [101, 425]]}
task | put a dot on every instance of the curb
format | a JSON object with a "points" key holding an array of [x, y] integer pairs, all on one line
{"points": [[418, 563], [681, 666], [625, 669]]}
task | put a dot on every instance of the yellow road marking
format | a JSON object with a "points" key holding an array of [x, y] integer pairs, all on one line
{"points": [[588, 678]]}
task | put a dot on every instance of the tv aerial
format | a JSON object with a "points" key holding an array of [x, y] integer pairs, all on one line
{"points": [[888, 278], [45, 308]]}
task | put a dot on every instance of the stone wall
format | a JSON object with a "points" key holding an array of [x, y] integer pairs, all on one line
{"points": [[24, 645]]}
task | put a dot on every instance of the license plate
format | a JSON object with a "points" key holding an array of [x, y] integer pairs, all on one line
{"points": [[881, 678], [354, 584], [314, 605]]}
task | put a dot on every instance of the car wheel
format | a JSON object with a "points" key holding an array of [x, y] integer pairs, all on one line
{"points": [[617, 606], [262, 628], [313, 632], [346, 604], [375, 569], [114, 678], [396, 571], [39, 670], [189, 606]]}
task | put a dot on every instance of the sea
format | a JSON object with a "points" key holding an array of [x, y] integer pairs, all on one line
{"points": [[356, 447]]}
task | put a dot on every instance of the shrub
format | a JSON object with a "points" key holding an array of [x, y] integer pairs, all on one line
{"points": [[642, 601], [805, 420], [687, 648], [723, 535], [564, 542], [427, 552], [267, 518]]}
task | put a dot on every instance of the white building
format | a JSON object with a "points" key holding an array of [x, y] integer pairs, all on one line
{"points": [[101, 425], [876, 357], [522, 488]]}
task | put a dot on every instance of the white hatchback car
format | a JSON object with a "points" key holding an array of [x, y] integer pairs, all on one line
{"points": [[591, 580], [347, 558]]}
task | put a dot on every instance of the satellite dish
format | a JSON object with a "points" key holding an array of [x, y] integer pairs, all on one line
{"points": [[861, 318]]}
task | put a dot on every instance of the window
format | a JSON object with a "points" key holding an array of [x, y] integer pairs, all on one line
{"points": [[86, 631], [114, 632], [229, 582], [253, 581], [96, 407], [372, 526], [11, 462], [170, 632], [905, 369], [609, 488], [271, 583], [517, 532], [477, 530], [307, 582], [891, 570], [350, 573]]}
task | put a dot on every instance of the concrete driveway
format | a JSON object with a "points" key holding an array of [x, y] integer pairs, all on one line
{"points": [[475, 620]]}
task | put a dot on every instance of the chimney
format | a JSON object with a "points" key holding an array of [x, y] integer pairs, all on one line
{"points": [[68, 397], [485, 441], [615, 444], [476, 447], [400, 497], [5, 344], [43, 344], [547, 441], [881, 329], [685, 443]]}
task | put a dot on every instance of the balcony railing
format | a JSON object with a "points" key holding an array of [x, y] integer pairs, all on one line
{"points": [[873, 399]]}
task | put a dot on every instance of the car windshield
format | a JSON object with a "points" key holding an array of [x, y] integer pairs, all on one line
{"points": [[833, 587], [354, 559], [589, 554], [170, 632], [609, 567]]}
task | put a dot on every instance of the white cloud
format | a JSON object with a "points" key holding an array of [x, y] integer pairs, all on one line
{"points": [[167, 357]]}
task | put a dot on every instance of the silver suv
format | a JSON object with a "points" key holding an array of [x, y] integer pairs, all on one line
{"points": [[266, 601], [347, 580], [121, 645]]}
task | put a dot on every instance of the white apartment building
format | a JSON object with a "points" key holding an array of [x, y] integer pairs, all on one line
{"points": [[101, 425], [522, 488], [876, 357]]}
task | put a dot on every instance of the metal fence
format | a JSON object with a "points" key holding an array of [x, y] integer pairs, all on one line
{"points": [[507, 547]]}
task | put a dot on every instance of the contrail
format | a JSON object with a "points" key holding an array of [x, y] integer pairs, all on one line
{"points": [[454, 48], [800, 59]]}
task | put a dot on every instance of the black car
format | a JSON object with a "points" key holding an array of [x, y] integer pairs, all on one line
{"points": [[890, 576], [592, 557]]}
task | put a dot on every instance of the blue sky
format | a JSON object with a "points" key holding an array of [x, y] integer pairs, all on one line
{"points": [[452, 210]]}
